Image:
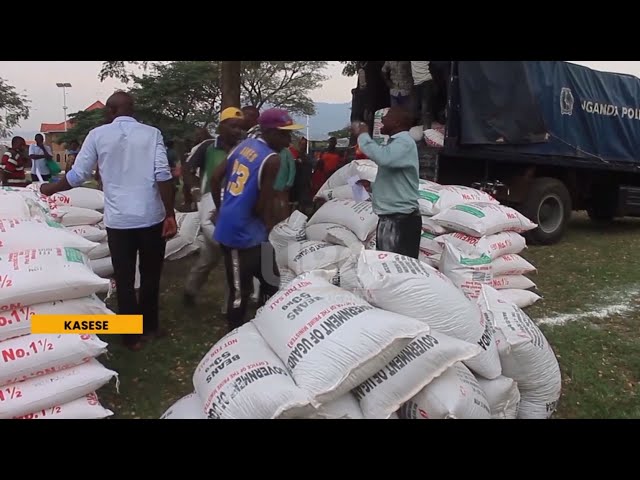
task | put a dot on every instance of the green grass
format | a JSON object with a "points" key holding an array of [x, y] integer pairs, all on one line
{"points": [[599, 357]]}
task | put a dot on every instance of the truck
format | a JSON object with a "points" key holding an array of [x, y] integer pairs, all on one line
{"points": [[545, 137]]}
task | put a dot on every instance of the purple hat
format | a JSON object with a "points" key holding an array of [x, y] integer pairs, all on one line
{"points": [[277, 118]]}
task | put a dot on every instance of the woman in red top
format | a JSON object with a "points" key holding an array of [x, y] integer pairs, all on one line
{"points": [[327, 165]]}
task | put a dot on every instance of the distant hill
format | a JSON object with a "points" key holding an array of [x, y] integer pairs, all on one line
{"points": [[328, 118]]}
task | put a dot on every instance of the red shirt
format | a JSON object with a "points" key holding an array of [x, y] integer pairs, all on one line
{"points": [[12, 165]]}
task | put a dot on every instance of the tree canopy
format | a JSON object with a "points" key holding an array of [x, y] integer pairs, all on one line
{"points": [[13, 108]]}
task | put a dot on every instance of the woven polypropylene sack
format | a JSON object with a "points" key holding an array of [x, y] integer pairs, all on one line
{"points": [[493, 246], [188, 407], [409, 287], [455, 394], [16, 234], [309, 255], [334, 234], [435, 200], [481, 219], [424, 359], [87, 407], [467, 272], [331, 340], [512, 264], [345, 407], [241, 378], [503, 397], [90, 232], [74, 216], [356, 216], [525, 354]]}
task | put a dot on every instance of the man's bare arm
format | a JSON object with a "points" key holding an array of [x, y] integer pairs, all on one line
{"points": [[167, 194], [273, 206], [216, 182]]}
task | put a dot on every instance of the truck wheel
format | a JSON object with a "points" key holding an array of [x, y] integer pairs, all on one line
{"points": [[549, 206]]}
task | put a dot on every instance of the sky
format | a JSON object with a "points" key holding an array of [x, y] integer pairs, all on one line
{"points": [[38, 81]]}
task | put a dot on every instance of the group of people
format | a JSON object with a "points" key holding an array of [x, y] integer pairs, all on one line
{"points": [[249, 171]]}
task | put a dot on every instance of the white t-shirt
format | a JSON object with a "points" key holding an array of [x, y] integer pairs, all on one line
{"points": [[40, 165], [420, 72]]}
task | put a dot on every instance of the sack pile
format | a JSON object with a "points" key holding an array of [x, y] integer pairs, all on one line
{"points": [[44, 269]]}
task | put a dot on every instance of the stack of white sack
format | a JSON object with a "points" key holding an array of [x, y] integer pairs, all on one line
{"points": [[339, 185], [48, 376], [474, 240], [319, 351]]}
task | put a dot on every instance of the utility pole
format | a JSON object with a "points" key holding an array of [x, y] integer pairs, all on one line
{"points": [[230, 84]]}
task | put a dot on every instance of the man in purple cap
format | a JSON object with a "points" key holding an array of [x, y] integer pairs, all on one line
{"points": [[251, 206]]}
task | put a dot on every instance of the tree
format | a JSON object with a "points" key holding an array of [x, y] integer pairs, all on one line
{"points": [[350, 68], [82, 123], [283, 84], [230, 81], [13, 108]]}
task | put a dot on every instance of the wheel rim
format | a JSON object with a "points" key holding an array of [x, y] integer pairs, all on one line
{"points": [[550, 214]]}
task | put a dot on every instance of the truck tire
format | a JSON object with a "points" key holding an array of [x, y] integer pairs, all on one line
{"points": [[548, 204]]}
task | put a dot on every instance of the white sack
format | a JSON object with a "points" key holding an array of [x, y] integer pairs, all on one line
{"points": [[503, 397], [286, 276], [525, 354], [291, 230], [36, 355], [429, 247], [432, 261], [330, 340], [430, 226], [16, 234], [188, 229], [75, 216], [57, 388], [16, 320], [345, 407], [518, 282], [241, 377], [46, 275], [90, 232], [511, 265], [429, 184], [100, 251], [362, 169], [343, 192], [87, 407], [334, 234], [481, 219], [309, 255], [453, 395], [371, 242], [409, 287], [82, 197], [468, 273], [521, 298], [102, 267], [424, 359], [435, 200], [12, 205], [356, 216], [188, 407], [493, 246]]}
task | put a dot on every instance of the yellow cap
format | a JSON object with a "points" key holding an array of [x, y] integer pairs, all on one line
{"points": [[231, 112]]}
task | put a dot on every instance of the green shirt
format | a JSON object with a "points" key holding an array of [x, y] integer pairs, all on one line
{"points": [[213, 157], [395, 189]]}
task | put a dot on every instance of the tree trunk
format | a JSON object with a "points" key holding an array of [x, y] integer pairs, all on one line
{"points": [[230, 84]]}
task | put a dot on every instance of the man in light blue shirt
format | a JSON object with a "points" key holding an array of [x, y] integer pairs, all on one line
{"points": [[395, 191], [138, 205]]}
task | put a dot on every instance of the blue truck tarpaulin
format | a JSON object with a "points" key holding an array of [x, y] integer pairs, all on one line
{"points": [[550, 108]]}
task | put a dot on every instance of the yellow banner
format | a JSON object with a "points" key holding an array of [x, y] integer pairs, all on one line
{"points": [[88, 324]]}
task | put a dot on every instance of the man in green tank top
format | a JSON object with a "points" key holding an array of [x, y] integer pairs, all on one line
{"points": [[229, 134]]}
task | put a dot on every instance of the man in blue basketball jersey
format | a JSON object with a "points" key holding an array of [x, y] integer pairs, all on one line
{"points": [[253, 203]]}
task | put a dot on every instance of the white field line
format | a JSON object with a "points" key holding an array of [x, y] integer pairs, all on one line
{"points": [[618, 304]]}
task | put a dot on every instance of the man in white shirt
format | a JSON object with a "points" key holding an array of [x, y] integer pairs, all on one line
{"points": [[138, 205], [422, 96], [39, 153]]}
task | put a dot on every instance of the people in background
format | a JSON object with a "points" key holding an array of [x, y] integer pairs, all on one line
{"points": [[397, 76], [39, 154], [251, 115], [440, 72], [72, 152], [422, 97], [138, 207], [251, 207], [395, 190], [189, 174], [326, 165], [302, 183], [13, 164], [230, 132]]}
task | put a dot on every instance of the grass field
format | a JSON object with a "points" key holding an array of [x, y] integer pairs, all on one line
{"points": [[590, 279]]}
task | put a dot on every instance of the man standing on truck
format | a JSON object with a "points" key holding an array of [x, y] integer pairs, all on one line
{"points": [[395, 190], [422, 96], [397, 76]]}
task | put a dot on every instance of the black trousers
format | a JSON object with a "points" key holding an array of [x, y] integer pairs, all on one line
{"points": [[422, 99], [399, 233], [125, 245], [241, 267]]}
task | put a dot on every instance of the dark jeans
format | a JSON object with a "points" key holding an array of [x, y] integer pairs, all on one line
{"points": [[241, 267], [399, 233], [422, 103], [125, 245], [400, 100]]}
